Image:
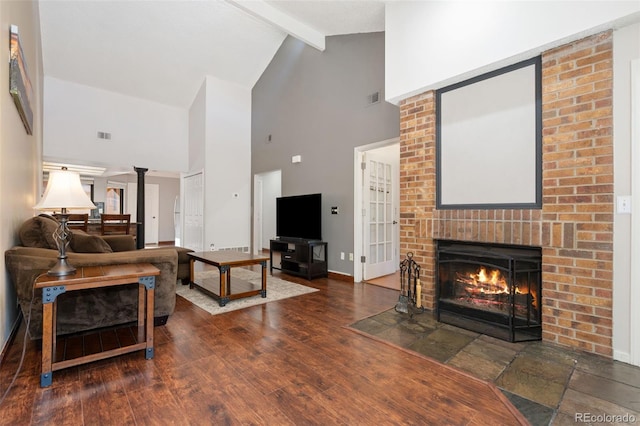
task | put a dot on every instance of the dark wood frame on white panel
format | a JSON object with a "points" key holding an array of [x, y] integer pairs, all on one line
{"points": [[489, 140]]}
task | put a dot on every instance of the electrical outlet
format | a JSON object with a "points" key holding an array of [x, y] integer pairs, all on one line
{"points": [[341, 255], [351, 257]]}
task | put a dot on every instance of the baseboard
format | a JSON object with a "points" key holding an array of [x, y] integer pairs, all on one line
{"points": [[622, 356], [12, 336], [341, 277], [162, 244]]}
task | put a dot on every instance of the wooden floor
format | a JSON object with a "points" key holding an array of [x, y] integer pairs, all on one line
{"points": [[289, 362], [391, 281]]}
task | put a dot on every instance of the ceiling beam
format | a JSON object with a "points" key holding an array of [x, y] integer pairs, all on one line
{"points": [[269, 14]]}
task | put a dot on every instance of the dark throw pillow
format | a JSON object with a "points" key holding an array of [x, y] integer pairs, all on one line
{"points": [[85, 243], [38, 232]]}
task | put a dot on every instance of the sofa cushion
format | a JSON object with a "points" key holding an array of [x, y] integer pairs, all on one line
{"points": [[120, 242], [38, 232], [81, 242]]}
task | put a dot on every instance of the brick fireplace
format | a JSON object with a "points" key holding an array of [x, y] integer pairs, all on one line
{"points": [[574, 228]]}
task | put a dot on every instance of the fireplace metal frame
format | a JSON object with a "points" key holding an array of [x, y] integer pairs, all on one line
{"points": [[507, 258]]}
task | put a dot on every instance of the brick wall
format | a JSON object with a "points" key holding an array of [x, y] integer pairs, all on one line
{"points": [[574, 227]]}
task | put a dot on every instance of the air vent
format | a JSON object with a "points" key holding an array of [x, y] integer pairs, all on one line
{"points": [[104, 135], [373, 98]]}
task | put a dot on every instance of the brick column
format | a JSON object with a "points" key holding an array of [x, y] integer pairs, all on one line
{"points": [[578, 193], [418, 186]]}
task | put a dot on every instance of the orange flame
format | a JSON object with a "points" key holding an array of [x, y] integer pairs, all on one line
{"points": [[492, 282]]}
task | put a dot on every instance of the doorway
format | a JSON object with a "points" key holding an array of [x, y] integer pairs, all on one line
{"points": [[266, 188], [151, 211], [376, 201]]}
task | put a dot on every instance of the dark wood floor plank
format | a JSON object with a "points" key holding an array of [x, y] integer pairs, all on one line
{"points": [[197, 394], [58, 405], [18, 406], [104, 399], [264, 377], [157, 405], [241, 396], [133, 372], [298, 401]]}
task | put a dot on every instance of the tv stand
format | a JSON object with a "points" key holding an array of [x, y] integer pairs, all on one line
{"points": [[304, 258]]}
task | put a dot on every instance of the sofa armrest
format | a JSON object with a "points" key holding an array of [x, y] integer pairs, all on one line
{"points": [[120, 242]]}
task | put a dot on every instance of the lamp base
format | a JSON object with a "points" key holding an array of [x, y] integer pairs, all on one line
{"points": [[61, 236], [62, 268]]}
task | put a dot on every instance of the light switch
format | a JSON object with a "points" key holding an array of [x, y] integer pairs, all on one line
{"points": [[624, 204]]}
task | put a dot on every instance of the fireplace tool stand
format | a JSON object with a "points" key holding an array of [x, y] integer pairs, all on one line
{"points": [[410, 301]]}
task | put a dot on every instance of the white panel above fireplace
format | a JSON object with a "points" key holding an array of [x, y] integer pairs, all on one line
{"points": [[488, 141]]}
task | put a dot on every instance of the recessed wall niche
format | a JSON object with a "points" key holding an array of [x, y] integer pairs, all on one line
{"points": [[489, 140]]}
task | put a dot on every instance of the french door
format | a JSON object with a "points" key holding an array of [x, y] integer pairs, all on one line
{"points": [[379, 216]]}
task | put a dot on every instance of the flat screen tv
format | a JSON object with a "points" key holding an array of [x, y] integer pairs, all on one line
{"points": [[299, 217]]}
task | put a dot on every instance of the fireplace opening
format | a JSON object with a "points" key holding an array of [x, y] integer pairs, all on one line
{"points": [[492, 289]]}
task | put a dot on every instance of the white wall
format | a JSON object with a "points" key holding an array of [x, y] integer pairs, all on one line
{"points": [[20, 154], [144, 133], [197, 130], [227, 165], [432, 44], [626, 48]]}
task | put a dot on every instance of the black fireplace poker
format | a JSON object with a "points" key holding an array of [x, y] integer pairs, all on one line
{"points": [[410, 288]]}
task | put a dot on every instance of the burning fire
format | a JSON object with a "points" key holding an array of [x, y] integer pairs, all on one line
{"points": [[486, 283]]}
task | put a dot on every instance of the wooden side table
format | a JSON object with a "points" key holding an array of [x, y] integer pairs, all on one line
{"points": [[95, 277]]}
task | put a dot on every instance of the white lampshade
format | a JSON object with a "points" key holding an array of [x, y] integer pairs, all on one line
{"points": [[64, 190]]}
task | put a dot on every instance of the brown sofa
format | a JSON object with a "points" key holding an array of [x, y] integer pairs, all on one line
{"points": [[95, 308]]}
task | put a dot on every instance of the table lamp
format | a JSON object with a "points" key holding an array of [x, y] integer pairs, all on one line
{"points": [[64, 191]]}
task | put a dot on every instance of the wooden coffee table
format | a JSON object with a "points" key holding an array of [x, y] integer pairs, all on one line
{"points": [[228, 288]]}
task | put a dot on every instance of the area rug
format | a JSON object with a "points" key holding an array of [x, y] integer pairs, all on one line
{"points": [[277, 289]]}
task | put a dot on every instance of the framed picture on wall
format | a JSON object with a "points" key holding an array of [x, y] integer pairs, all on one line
{"points": [[489, 140], [19, 83]]}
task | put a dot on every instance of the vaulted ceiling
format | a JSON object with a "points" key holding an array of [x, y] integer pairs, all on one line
{"points": [[161, 50]]}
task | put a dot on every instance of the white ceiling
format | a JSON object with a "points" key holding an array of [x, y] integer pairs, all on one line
{"points": [[162, 50]]}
